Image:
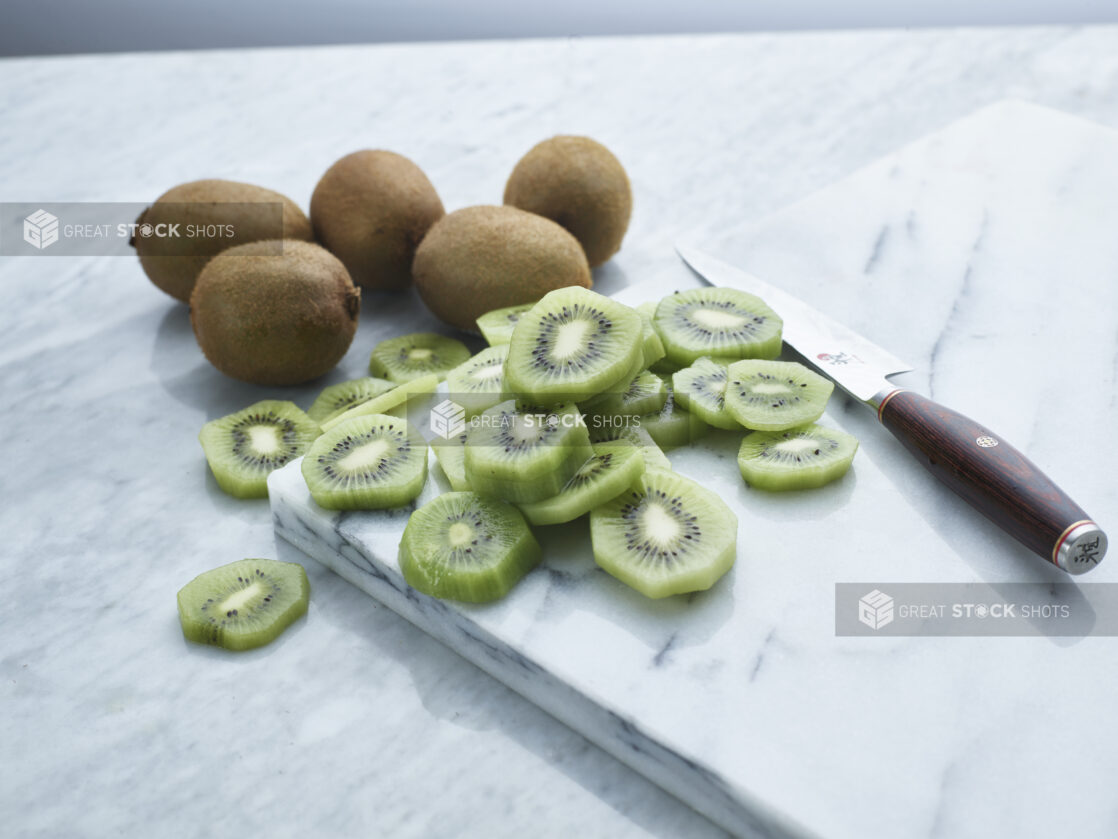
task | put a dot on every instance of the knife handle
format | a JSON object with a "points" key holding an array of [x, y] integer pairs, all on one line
{"points": [[995, 479]]}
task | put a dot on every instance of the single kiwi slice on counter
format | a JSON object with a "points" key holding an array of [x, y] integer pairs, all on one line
{"points": [[244, 604], [525, 454], [411, 356], [605, 475], [665, 535], [573, 344], [393, 401], [464, 546], [479, 383], [451, 455], [629, 434], [672, 426], [774, 395], [369, 463], [717, 322], [797, 458], [339, 398], [497, 326], [701, 389], [243, 448], [645, 394]]}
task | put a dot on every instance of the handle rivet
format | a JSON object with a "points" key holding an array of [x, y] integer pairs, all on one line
{"points": [[986, 442]]}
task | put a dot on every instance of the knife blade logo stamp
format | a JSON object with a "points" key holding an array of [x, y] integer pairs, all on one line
{"points": [[984, 470]]}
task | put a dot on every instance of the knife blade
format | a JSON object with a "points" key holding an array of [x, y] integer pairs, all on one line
{"points": [[970, 459]]}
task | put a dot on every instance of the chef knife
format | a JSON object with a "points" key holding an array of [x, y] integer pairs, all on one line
{"points": [[991, 475]]}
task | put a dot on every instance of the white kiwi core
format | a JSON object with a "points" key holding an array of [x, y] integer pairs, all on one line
{"points": [[570, 339], [717, 319], [460, 534], [264, 438], [660, 525], [364, 456], [796, 445], [238, 599], [770, 388]]}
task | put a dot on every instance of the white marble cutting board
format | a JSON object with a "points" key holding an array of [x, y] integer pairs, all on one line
{"points": [[987, 256]]}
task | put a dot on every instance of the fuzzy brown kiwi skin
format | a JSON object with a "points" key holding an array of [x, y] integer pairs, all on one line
{"points": [[371, 209], [274, 318], [578, 183], [483, 258], [199, 202]]}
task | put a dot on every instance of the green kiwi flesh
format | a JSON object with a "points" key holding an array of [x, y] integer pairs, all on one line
{"points": [[630, 434], [672, 426], [717, 322], [775, 395], [497, 326], [409, 357], [665, 535], [395, 401], [644, 394], [451, 455], [573, 344], [369, 463], [605, 475], [526, 455], [464, 546], [245, 447], [244, 604], [479, 383], [337, 399], [806, 457], [701, 389]]}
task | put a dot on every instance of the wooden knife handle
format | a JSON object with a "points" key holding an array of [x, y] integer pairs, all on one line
{"points": [[995, 479]]}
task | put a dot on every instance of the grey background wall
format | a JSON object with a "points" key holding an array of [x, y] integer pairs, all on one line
{"points": [[38, 27]]}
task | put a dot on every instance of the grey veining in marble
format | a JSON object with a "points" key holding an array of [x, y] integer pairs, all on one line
{"points": [[356, 722]]}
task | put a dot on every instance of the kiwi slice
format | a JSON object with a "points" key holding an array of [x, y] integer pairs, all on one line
{"points": [[645, 394], [497, 326], [479, 383], [451, 455], [243, 448], [774, 395], [463, 546], [666, 535], [630, 434], [717, 322], [368, 463], [796, 458], [337, 399], [701, 389], [525, 455], [244, 604], [409, 357], [605, 475], [652, 346], [672, 426], [393, 401], [573, 344]]}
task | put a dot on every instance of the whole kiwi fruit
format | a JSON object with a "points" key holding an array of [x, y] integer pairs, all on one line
{"points": [[578, 183], [274, 313], [371, 210], [483, 258], [173, 263]]}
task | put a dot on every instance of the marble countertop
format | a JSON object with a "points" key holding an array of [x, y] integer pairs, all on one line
{"points": [[356, 722]]}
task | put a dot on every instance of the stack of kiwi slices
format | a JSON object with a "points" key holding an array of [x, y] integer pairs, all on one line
{"points": [[566, 416]]}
